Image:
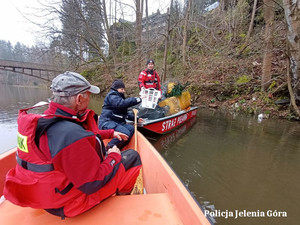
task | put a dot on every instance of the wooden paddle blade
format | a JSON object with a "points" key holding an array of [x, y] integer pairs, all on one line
{"points": [[139, 185]]}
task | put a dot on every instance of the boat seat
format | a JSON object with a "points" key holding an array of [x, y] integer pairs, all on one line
{"points": [[117, 210]]}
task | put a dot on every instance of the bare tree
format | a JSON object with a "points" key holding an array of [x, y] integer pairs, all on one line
{"points": [[292, 12], [250, 29], [168, 30], [139, 16], [147, 26], [110, 39], [185, 30], [267, 61], [252, 21], [224, 4]]}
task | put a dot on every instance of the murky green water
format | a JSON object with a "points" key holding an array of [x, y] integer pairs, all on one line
{"points": [[230, 164], [237, 165]]}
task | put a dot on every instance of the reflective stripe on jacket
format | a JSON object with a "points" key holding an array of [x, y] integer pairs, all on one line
{"points": [[148, 80]]}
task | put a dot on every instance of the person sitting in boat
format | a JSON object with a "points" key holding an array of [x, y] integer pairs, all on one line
{"points": [[61, 166], [149, 78], [115, 112]]}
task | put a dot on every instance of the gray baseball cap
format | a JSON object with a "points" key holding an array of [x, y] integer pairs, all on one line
{"points": [[71, 83]]}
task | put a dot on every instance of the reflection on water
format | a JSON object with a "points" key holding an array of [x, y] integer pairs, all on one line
{"points": [[165, 141], [13, 98], [239, 164]]}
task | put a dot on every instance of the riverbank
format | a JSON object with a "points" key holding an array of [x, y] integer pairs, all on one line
{"points": [[234, 84], [253, 103]]}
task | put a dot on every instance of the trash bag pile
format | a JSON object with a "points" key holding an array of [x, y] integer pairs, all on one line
{"points": [[176, 89], [152, 114], [176, 103], [174, 99]]}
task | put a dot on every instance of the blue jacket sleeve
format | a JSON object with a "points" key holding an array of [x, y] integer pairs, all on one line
{"points": [[118, 102], [130, 116]]}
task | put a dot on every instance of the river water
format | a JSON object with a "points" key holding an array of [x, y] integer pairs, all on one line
{"points": [[240, 170]]}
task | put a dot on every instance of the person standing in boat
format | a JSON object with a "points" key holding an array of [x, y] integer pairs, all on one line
{"points": [[115, 112], [61, 164], [149, 78]]}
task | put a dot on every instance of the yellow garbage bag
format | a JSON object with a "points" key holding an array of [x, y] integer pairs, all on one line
{"points": [[177, 103], [170, 87], [184, 100], [172, 103]]}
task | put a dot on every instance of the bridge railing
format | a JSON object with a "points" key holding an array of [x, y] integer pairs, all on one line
{"points": [[41, 71]]}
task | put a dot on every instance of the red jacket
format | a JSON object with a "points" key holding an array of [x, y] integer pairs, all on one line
{"points": [[149, 80], [65, 172]]}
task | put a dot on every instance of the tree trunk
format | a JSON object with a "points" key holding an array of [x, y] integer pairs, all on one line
{"points": [[250, 29], [139, 16], [267, 61], [252, 21], [110, 39], [147, 30], [167, 45], [185, 30], [81, 51], [291, 92], [224, 4], [292, 16]]}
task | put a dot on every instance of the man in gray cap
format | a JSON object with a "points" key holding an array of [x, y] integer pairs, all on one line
{"points": [[62, 166], [70, 84]]}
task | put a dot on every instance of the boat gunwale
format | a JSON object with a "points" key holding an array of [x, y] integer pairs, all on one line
{"points": [[148, 122], [181, 191], [145, 126]]}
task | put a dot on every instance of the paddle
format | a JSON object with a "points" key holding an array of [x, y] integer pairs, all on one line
{"points": [[138, 187], [135, 111]]}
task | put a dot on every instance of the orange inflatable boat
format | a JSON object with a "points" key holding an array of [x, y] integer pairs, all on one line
{"points": [[166, 199]]}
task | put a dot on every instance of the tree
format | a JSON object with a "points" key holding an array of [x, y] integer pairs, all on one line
{"points": [[252, 21], [6, 50], [185, 31], [94, 12], [110, 34], [139, 15], [292, 12], [167, 45], [250, 29], [82, 34], [224, 4], [268, 50], [175, 29], [20, 51], [72, 29], [147, 27]]}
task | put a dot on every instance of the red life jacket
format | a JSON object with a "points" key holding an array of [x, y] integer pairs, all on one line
{"points": [[34, 182], [148, 80]]}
